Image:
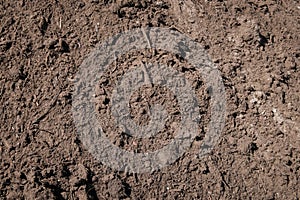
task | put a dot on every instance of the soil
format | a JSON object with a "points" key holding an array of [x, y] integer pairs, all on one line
{"points": [[255, 45]]}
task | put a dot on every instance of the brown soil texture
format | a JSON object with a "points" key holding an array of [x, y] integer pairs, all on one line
{"points": [[255, 45]]}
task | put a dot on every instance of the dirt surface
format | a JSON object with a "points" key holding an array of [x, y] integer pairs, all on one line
{"points": [[255, 45]]}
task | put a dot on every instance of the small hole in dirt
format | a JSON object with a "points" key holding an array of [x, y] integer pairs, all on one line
{"points": [[13, 86], [199, 138], [65, 172], [121, 13], [262, 39], [206, 171], [127, 188], [206, 47], [106, 101], [121, 144], [23, 176], [253, 147]]}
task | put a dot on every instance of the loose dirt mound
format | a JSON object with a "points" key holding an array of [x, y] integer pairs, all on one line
{"points": [[255, 46]]}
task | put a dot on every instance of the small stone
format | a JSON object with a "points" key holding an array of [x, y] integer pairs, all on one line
{"points": [[50, 44], [290, 63], [94, 1]]}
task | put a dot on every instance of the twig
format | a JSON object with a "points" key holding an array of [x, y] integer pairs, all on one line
{"points": [[148, 41], [147, 80], [116, 66], [147, 76], [173, 27], [60, 23], [147, 38]]}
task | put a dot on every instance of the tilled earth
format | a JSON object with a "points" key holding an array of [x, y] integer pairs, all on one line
{"points": [[254, 44]]}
